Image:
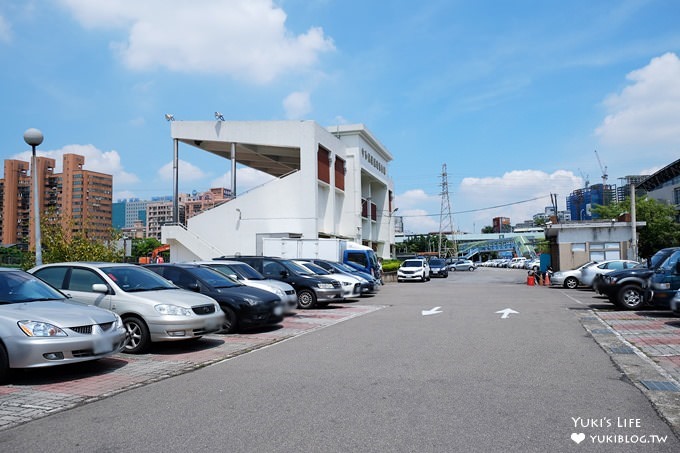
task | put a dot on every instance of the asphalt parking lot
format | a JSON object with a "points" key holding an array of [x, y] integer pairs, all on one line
{"points": [[644, 345], [36, 393]]}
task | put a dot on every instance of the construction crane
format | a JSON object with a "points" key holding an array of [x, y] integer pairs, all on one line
{"points": [[603, 168], [586, 178]]}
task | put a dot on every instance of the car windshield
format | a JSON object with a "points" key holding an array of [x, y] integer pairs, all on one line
{"points": [[213, 277], [135, 278], [18, 287], [316, 269], [412, 263], [436, 262], [343, 267], [658, 258], [296, 268], [247, 272]]}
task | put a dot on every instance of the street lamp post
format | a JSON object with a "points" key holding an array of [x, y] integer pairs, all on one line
{"points": [[34, 137]]}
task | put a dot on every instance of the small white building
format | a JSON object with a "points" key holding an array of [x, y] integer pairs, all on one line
{"points": [[327, 183], [573, 244]]}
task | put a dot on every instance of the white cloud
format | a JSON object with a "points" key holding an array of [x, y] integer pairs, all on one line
{"points": [[297, 105], [5, 31], [246, 39], [107, 162], [418, 210], [513, 187], [645, 113], [187, 172], [246, 179]]}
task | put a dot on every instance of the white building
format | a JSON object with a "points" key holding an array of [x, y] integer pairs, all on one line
{"points": [[328, 183]]}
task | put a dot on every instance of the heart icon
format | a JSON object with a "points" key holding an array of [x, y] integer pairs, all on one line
{"points": [[578, 437]]}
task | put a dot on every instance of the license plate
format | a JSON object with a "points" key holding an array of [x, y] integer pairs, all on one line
{"points": [[101, 346]]}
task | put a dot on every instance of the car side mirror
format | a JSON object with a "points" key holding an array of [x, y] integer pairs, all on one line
{"points": [[234, 276], [677, 268], [100, 288], [194, 287], [284, 273]]}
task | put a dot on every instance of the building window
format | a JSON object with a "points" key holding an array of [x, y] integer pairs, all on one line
{"points": [[601, 251], [578, 247], [340, 170], [324, 165], [676, 196]]}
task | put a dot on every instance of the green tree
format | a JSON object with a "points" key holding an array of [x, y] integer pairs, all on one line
{"points": [[61, 243], [143, 247], [661, 229], [487, 229]]}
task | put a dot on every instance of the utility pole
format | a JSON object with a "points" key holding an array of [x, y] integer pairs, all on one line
{"points": [[446, 219]]}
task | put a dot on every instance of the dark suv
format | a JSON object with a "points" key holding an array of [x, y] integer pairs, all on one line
{"points": [[653, 283], [312, 290], [242, 305]]}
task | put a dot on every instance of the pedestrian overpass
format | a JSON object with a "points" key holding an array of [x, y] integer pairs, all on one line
{"points": [[517, 245]]}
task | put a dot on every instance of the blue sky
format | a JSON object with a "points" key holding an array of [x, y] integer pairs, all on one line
{"points": [[513, 96]]}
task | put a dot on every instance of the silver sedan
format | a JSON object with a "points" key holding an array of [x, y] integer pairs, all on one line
{"points": [[39, 327]]}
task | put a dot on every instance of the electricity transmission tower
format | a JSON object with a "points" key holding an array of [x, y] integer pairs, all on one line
{"points": [[446, 220]]}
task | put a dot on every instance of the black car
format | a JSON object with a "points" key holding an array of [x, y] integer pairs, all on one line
{"points": [[242, 305], [649, 283], [369, 284], [311, 289], [438, 268]]}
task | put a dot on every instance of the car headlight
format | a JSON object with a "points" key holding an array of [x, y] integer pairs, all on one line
{"points": [[169, 309], [279, 292], [118, 323], [346, 283], [40, 329], [325, 285], [661, 285]]}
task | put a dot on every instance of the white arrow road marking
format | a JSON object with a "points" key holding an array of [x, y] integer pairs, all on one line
{"points": [[434, 311], [506, 313]]}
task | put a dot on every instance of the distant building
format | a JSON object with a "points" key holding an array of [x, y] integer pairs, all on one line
{"points": [[80, 198], [128, 211], [501, 225], [623, 189], [549, 215], [197, 203], [159, 213], [581, 201]]}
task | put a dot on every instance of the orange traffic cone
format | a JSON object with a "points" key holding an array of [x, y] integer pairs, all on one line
{"points": [[530, 280], [540, 280], [546, 280]]}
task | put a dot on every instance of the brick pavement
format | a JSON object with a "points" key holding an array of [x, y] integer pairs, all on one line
{"points": [[38, 392], [645, 346]]}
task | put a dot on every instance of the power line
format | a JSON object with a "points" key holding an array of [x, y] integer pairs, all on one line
{"points": [[480, 209]]}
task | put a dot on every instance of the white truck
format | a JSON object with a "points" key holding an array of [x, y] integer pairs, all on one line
{"points": [[358, 256]]}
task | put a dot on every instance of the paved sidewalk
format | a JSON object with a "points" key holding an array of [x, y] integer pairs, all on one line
{"points": [[36, 393], [645, 345]]}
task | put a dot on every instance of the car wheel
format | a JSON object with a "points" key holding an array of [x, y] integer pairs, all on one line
{"points": [[630, 297], [4, 364], [471, 268], [306, 298], [139, 338], [571, 282], [422, 279], [230, 322]]}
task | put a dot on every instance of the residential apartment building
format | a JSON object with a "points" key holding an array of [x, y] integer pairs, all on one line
{"points": [[80, 198]]}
